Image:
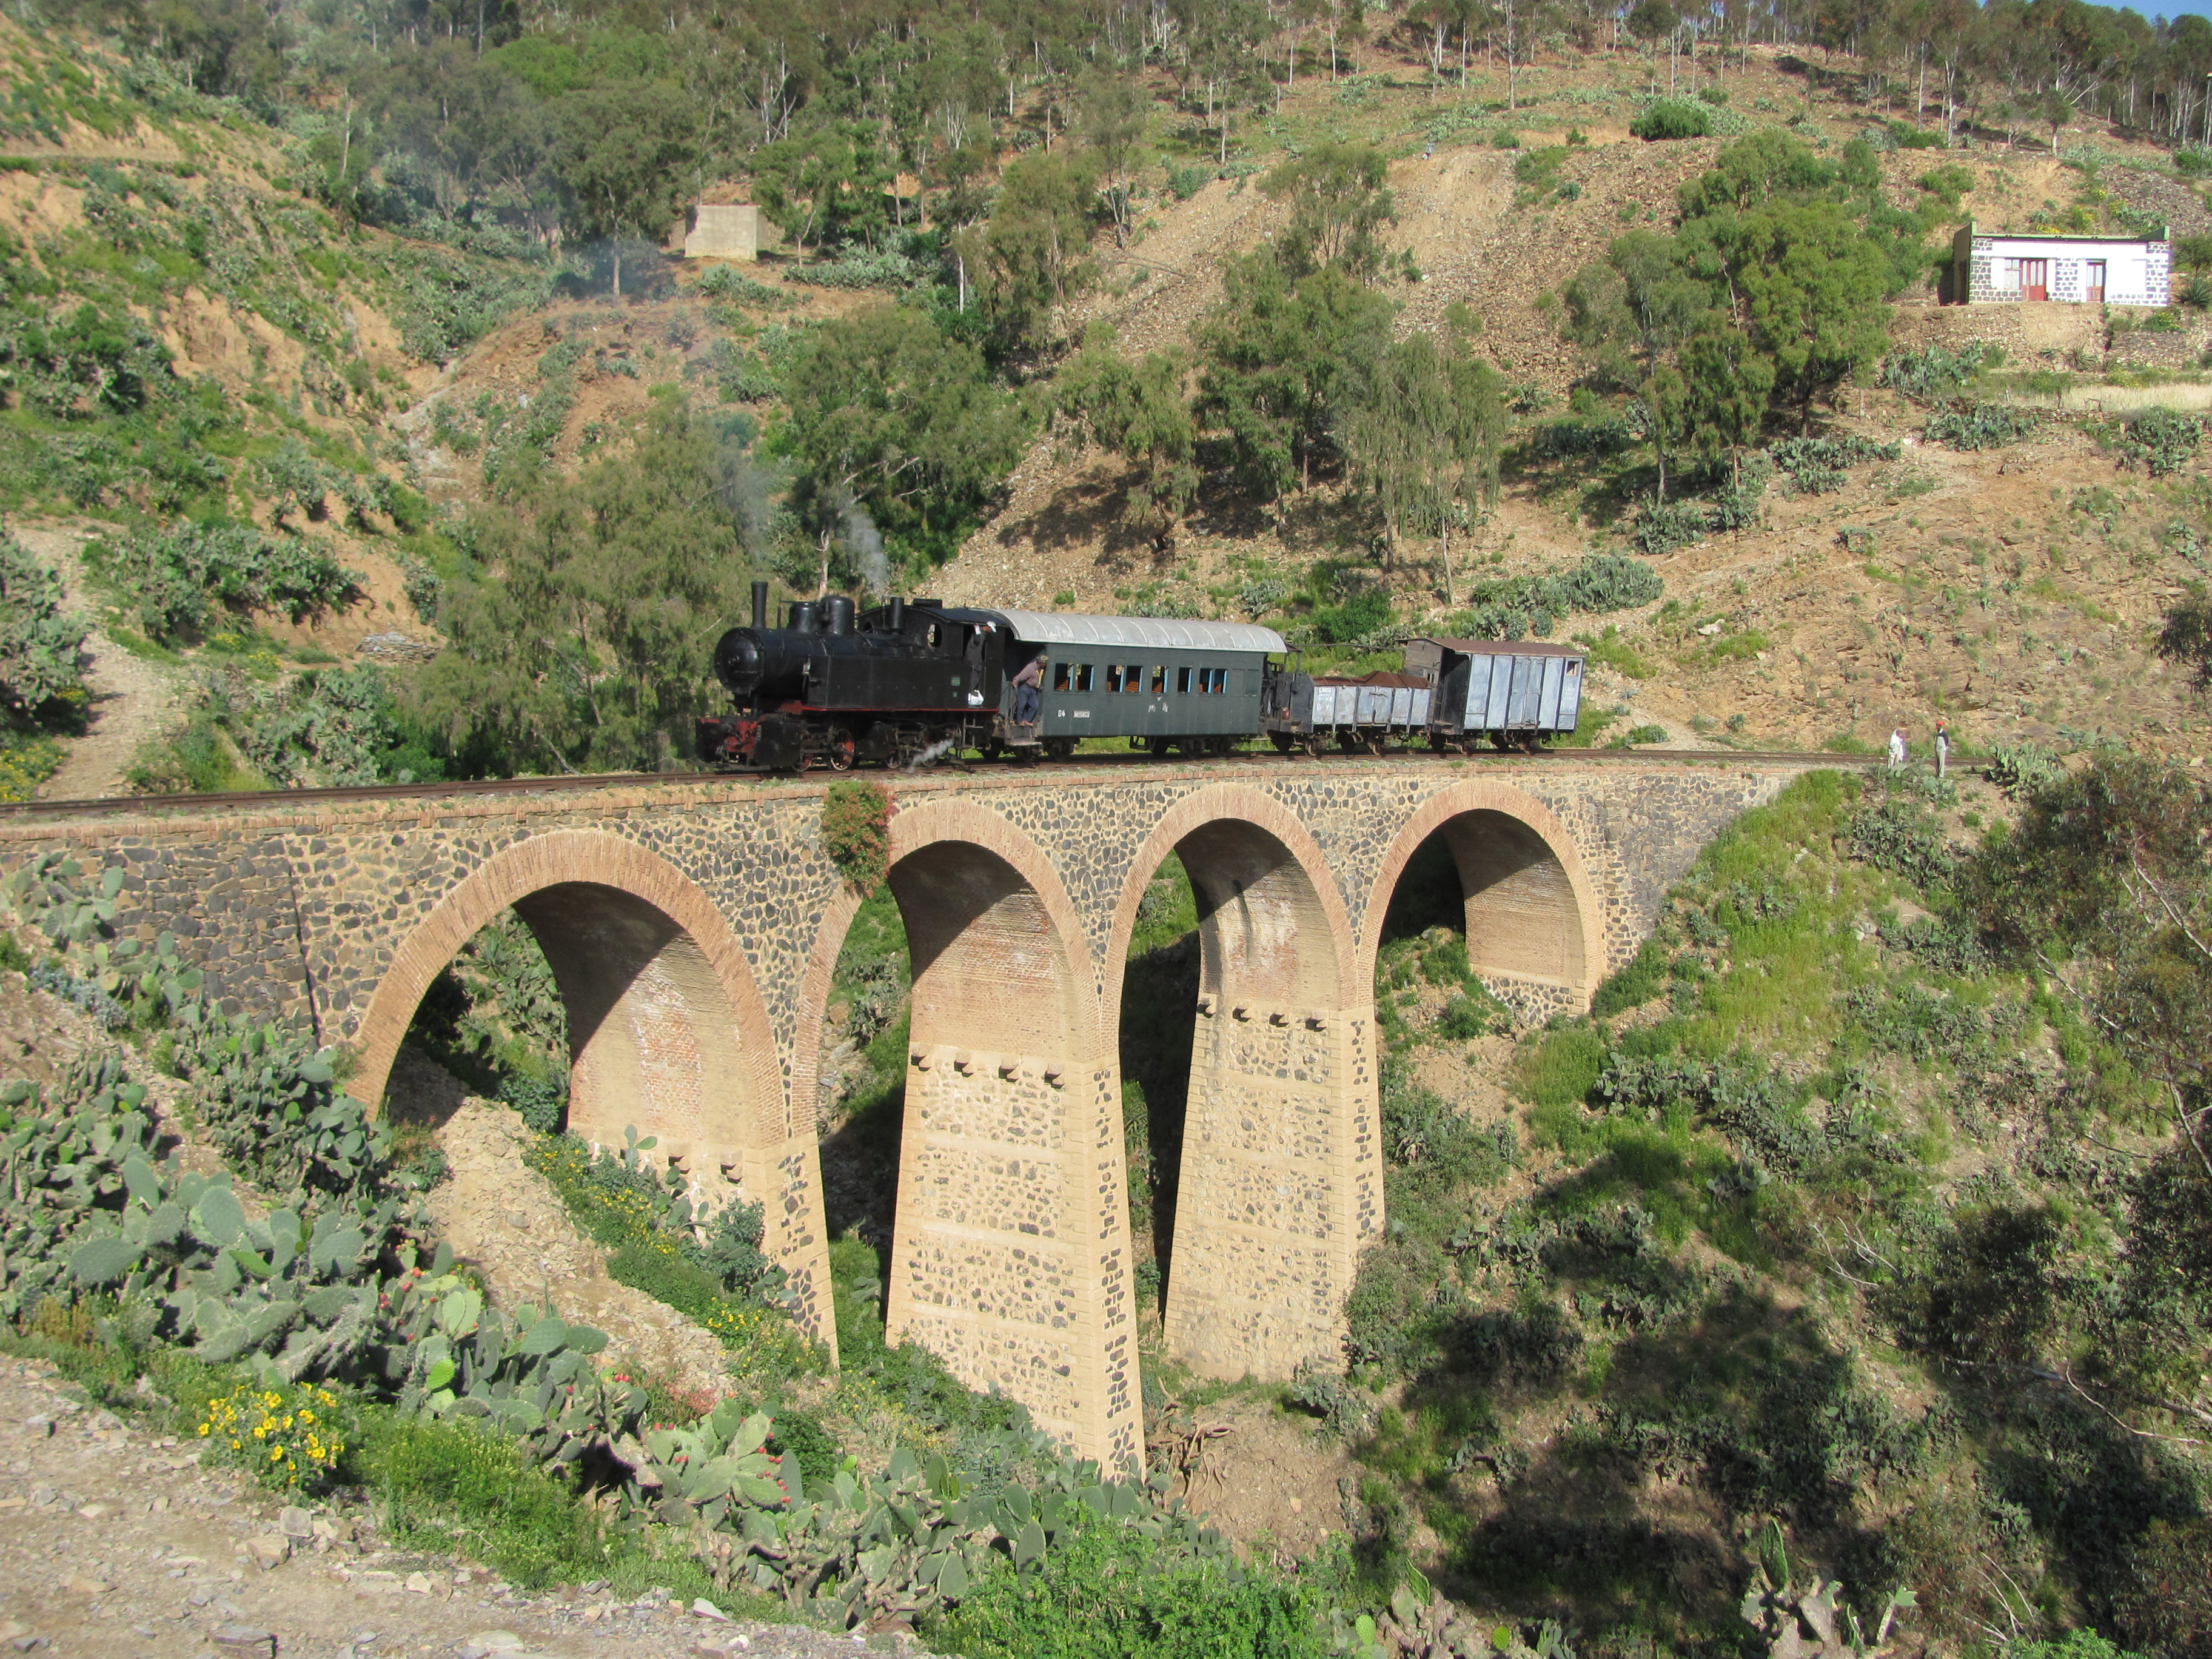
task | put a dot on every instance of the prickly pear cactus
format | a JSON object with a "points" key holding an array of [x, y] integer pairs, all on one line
{"points": [[1811, 1620]]}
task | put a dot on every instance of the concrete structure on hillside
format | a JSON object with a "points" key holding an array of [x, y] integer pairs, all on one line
{"points": [[694, 927], [1989, 269], [724, 231]]}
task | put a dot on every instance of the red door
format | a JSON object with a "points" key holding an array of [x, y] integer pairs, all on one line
{"points": [[2035, 279], [2094, 284]]}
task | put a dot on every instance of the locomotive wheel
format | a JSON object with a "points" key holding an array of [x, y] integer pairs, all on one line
{"points": [[838, 757]]}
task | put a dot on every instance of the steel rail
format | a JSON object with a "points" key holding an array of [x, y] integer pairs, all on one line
{"points": [[583, 783]]}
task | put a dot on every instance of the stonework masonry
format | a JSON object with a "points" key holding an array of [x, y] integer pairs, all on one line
{"points": [[694, 926]]}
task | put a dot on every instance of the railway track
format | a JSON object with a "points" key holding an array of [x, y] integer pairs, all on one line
{"points": [[585, 783]]}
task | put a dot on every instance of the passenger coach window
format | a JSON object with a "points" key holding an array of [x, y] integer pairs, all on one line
{"points": [[1133, 678], [1159, 681], [1182, 681], [1083, 676], [1220, 681], [1113, 676], [1059, 676]]}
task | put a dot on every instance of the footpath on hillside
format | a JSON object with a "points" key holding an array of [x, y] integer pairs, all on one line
{"points": [[115, 1541]]}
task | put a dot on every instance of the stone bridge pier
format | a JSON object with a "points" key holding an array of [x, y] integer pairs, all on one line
{"points": [[694, 926]]}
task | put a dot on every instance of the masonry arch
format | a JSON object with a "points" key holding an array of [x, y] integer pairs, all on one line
{"points": [[667, 1028], [1009, 1254], [1534, 927], [1277, 1183]]}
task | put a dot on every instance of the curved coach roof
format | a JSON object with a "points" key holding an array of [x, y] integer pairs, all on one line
{"points": [[1144, 633]]}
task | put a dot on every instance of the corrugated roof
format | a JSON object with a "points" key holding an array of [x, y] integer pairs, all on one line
{"points": [[1506, 647], [1141, 633]]}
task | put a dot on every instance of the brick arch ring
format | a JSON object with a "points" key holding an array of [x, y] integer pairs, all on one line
{"points": [[913, 828], [589, 857], [1484, 795], [1232, 803]]}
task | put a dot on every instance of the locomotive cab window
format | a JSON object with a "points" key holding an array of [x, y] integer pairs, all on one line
{"points": [[1133, 678], [1060, 673]]}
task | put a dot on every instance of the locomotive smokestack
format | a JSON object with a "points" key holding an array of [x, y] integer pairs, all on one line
{"points": [[760, 604], [898, 615], [840, 613]]}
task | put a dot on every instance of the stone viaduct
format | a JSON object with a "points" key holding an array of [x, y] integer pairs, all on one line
{"points": [[694, 926]]}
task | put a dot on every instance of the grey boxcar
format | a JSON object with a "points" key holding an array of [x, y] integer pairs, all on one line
{"points": [[1516, 692]]}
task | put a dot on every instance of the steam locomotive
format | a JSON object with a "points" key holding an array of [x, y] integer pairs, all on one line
{"points": [[909, 680]]}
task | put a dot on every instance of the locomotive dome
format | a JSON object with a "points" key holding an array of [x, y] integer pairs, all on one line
{"points": [[1142, 633]]}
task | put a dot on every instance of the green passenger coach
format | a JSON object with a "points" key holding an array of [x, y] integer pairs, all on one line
{"points": [[1165, 683]]}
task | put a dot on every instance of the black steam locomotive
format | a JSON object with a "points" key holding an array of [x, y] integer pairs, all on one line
{"points": [[904, 681]]}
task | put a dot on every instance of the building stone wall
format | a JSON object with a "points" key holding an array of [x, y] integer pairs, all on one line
{"points": [[694, 926]]}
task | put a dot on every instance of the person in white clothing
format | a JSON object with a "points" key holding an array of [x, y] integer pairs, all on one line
{"points": [[1897, 747], [1942, 749]]}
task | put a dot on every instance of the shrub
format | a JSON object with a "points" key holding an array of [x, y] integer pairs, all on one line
{"points": [[1901, 835], [2167, 1607], [1935, 372], [1574, 440], [289, 1436], [1641, 979], [2160, 440], [179, 579], [1664, 528], [38, 641], [856, 818], [1105, 1592], [1816, 465], [1985, 426], [1673, 117], [728, 284]]}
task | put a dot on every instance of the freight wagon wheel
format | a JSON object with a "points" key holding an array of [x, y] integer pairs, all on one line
{"points": [[1316, 743], [1502, 742], [1471, 744], [1378, 743], [1348, 741]]}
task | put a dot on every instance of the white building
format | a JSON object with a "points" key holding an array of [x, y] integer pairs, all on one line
{"points": [[2061, 269], [724, 231]]}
